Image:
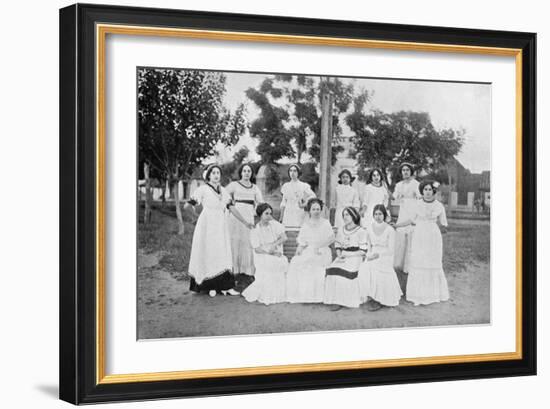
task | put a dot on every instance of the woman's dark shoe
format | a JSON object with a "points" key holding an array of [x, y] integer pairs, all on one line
{"points": [[231, 291]]}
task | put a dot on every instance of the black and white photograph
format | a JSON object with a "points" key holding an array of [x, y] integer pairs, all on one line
{"points": [[275, 204], [282, 203]]}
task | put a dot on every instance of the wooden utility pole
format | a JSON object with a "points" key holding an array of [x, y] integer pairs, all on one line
{"points": [[325, 162]]}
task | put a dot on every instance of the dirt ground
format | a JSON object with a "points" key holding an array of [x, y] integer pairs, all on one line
{"points": [[167, 309]]}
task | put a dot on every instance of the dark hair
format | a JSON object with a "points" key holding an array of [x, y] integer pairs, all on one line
{"points": [[297, 168], [382, 208], [312, 201], [425, 183], [209, 171], [407, 164], [355, 216], [382, 178], [261, 208], [345, 172], [240, 172]]}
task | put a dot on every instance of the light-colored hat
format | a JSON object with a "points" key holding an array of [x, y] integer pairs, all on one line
{"points": [[407, 164]]}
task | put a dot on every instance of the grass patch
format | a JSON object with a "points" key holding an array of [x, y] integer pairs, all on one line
{"points": [[464, 244], [161, 237]]}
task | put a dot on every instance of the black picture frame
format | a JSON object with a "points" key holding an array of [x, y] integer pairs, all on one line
{"points": [[78, 194]]}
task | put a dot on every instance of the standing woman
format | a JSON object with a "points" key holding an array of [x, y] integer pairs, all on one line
{"points": [[346, 196], [211, 264], [427, 283], [246, 196], [305, 282], [341, 283], [295, 196], [376, 193], [407, 194], [377, 279], [267, 240]]}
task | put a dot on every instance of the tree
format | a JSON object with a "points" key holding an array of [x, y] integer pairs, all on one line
{"points": [[181, 119], [385, 140], [290, 114], [269, 128], [305, 99]]}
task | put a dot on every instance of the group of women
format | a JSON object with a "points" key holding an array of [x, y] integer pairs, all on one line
{"points": [[226, 242]]}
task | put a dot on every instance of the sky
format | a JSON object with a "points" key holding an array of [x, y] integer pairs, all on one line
{"points": [[450, 105]]}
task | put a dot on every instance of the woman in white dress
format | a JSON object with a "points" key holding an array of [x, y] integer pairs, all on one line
{"points": [[210, 263], [376, 192], [341, 282], [246, 196], [295, 196], [378, 282], [271, 265], [426, 283], [346, 196], [407, 194], [305, 281]]}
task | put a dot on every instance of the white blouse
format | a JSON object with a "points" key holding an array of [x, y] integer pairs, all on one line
{"points": [[210, 199], [430, 212], [294, 192], [262, 236], [346, 196], [240, 192], [315, 236], [407, 190]]}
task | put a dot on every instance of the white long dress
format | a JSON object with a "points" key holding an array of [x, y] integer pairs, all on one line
{"points": [[305, 281], [295, 196], [269, 284], [245, 199], [341, 282], [210, 263], [407, 195], [377, 278], [346, 196], [372, 196], [427, 283]]}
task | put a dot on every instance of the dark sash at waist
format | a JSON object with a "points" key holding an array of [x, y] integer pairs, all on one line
{"points": [[337, 271], [249, 202], [348, 248]]}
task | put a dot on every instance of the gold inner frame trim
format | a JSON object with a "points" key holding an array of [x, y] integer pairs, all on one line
{"points": [[101, 33]]}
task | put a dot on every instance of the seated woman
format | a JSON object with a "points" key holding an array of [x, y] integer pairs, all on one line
{"points": [[267, 240], [377, 278], [341, 283], [305, 281]]}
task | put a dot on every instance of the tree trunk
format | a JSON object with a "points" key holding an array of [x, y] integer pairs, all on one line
{"points": [[148, 195], [164, 191], [181, 230]]}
